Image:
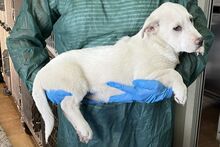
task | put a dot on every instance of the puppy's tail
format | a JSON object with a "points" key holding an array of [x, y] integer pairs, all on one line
{"points": [[41, 102]]}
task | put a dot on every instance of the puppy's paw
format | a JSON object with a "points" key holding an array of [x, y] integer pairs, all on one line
{"points": [[201, 51], [180, 95], [85, 133]]}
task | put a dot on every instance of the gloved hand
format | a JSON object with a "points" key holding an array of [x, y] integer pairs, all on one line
{"points": [[56, 96], [148, 91]]}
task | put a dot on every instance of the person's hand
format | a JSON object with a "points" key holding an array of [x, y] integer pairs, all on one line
{"points": [[56, 96], [147, 91]]}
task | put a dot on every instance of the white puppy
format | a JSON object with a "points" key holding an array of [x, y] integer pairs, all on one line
{"points": [[150, 54]]}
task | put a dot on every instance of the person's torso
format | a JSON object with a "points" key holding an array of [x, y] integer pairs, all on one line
{"points": [[89, 23]]}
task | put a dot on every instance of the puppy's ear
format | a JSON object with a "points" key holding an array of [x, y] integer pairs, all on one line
{"points": [[150, 28]]}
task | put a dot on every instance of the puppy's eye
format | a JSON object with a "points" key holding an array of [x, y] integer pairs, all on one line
{"points": [[191, 19], [177, 28]]}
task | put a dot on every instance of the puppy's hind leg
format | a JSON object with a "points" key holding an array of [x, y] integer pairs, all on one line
{"points": [[71, 108]]}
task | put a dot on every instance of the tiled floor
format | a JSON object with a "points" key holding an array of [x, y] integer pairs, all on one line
{"points": [[209, 123], [10, 121]]}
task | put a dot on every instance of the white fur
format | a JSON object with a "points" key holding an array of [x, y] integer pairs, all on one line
{"points": [[150, 54]]}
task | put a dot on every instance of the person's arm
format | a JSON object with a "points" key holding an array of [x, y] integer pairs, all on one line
{"points": [[191, 65], [26, 43]]}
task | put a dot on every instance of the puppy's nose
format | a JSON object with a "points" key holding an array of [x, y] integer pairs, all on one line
{"points": [[199, 41]]}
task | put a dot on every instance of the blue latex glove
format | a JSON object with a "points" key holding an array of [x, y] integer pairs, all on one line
{"points": [[56, 96], [147, 91]]}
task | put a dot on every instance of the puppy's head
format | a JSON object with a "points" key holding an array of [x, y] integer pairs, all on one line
{"points": [[174, 25]]}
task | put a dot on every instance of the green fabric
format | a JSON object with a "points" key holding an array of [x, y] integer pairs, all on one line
{"points": [[122, 125], [84, 23]]}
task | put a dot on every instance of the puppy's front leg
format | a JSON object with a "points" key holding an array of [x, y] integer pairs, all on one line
{"points": [[70, 107], [171, 78]]}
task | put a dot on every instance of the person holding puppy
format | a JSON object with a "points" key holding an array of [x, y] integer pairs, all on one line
{"points": [[81, 24]]}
